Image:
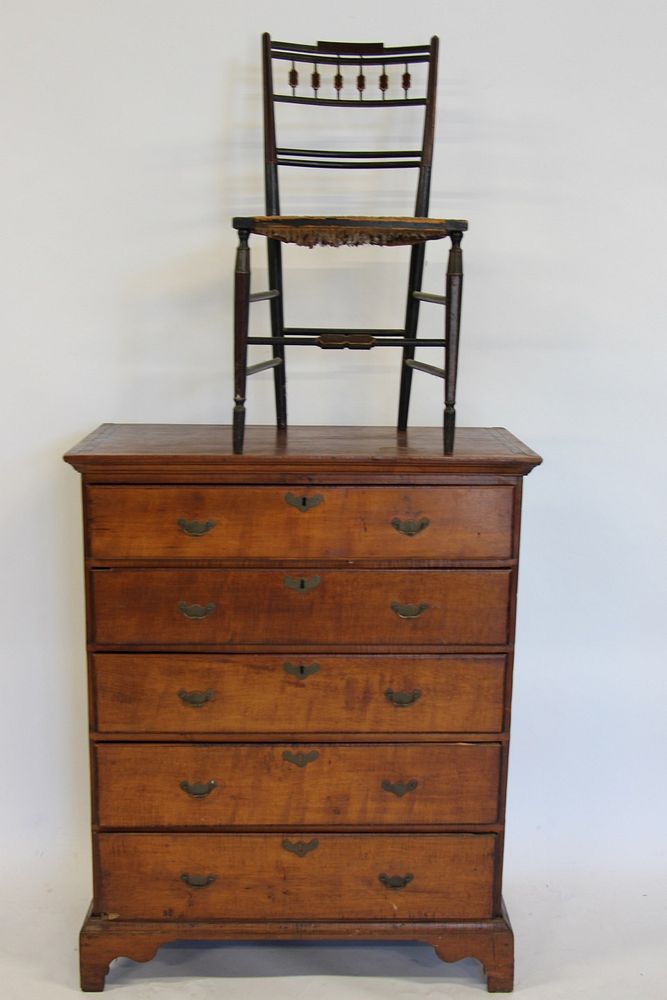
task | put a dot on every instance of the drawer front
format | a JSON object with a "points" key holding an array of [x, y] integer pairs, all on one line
{"points": [[261, 522], [330, 607], [295, 693], [257, 876], [182, 785]]}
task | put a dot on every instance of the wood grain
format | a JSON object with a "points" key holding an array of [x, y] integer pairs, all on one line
{"points": [[203, 452], [489, 940], [460, 522], [256, 877], [410, 787], [139, 693], [346, 607], [140, 785]]}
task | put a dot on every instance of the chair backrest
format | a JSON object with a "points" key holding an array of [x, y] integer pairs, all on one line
{"points": [[347, 75]]}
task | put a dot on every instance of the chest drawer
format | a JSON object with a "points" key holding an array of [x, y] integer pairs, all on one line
{"points": [[226, 522], [297, 785], [174, 693], [337, 607], [251, 876]]}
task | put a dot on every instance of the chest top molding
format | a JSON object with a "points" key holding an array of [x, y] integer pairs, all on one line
{"points": [[162, 452]]}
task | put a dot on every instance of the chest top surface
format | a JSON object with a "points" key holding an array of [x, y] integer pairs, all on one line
{"points": [[182, 450]]}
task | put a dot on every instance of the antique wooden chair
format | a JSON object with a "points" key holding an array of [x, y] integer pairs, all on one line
{"points": [[335, 70]]}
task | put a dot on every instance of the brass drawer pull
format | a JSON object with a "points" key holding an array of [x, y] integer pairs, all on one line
{"points": [[304, 503], [302, 584], [195, 528], [198, 881], [408, 610], [395, 881], [402, 699], [301, 670], [198, 791], [195, 612], [300, 848], [195, 699], [399, 788], [300, 758], [409, 527]]}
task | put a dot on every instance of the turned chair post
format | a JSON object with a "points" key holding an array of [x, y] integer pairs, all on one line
{"points": [[418, 253], [241, 316], [454, 288], [273, 247], [274, 254], [417, 256]]}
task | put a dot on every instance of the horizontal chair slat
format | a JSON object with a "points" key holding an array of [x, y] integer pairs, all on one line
{"points": [[312, 331], [340, 154], [373, 60], [358, 47], [333, 103], [338, 165], [378, 342]]}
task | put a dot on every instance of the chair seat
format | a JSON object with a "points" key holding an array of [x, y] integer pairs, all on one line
{"points": [[349, 230]]}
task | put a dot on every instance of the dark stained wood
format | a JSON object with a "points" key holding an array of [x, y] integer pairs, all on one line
{"points": [[341, 231], [346, 607], [273, 247], [241, 318], [330, 711], [141, 786], [452, 522], [347, 230], [255, 877], [453, 294], [418, 252], [138, 693]]}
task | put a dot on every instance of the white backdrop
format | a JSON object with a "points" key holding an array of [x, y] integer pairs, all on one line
{"points": [[132, 133]]}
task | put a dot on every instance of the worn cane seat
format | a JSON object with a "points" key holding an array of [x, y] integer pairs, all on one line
{"points": [[349, 230]]}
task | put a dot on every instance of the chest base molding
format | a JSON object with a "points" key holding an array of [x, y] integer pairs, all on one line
{"points": [[491, 942]]}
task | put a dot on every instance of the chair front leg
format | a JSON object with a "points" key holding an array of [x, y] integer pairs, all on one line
{"points": [[274, 252], [454, 290], [241, 315], [417, 256]]}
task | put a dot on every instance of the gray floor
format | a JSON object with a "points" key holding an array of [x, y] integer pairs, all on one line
{"points": [[579, 935]]}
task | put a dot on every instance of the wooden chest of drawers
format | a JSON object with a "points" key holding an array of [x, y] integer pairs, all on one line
{"points": [[300, 667]]}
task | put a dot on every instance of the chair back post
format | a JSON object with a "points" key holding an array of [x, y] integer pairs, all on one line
{"points": [[424, 183], [273, 249], [272, 199], [418, 253]]}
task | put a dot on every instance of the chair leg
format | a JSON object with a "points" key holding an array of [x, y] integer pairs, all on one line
{"points": [[241, 315], [454, 290], [278, 329], [411, 318]]}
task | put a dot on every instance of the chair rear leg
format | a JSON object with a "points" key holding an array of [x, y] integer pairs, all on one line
{"points": [[454, 290], [241, 315], [411, 318], [274, 253]]}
